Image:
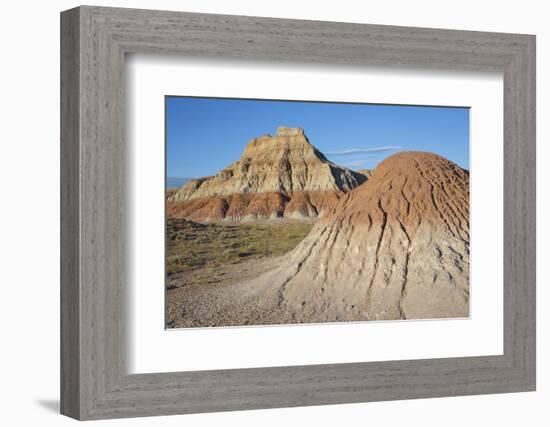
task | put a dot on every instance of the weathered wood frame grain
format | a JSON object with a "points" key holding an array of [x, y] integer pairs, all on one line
{"points": [[94, 41]]}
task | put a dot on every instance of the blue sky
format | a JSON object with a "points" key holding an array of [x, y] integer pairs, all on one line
{"points": [[204, 135]]}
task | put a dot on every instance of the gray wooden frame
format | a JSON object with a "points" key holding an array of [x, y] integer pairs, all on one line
{"points": [[94, 382]]}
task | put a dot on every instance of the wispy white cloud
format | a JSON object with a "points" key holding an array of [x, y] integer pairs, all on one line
{"points": [[361, 162], [354, 151]]}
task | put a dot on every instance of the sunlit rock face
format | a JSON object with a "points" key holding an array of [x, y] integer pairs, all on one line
{"points": [[277, 176]]}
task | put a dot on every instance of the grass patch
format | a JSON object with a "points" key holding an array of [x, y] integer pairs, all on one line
{"points": [[191, 246]]}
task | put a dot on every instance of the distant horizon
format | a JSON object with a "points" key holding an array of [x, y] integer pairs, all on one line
{"points": [[188, 178], [205, 135]]}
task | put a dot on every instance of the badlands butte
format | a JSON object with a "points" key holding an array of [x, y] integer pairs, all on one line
{"points": [[276, 176], [283, 235]]}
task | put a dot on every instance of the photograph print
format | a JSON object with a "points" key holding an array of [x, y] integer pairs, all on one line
{"points": [[291, 212]]}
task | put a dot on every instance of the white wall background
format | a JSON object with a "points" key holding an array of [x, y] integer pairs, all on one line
{"points": [[29, 224]]}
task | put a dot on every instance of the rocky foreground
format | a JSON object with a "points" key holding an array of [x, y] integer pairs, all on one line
{"points": [[280, 176], [396, 247]]}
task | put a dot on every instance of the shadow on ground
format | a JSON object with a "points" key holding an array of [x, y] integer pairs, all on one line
{"points": [[51, 405]]}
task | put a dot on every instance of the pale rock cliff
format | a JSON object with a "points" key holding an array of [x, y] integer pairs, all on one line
{"points": [[276, 176]]}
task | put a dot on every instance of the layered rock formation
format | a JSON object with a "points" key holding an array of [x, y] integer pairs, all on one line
{"points": [[276, 176], [396, 247], [367, 172]]}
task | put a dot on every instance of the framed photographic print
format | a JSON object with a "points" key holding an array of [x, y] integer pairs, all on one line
{"points": [[237, 252], [261, 213]]}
